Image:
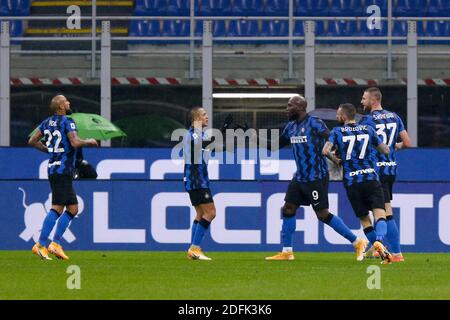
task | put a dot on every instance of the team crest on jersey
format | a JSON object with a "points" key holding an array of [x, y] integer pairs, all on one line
{"points": [[299, 139], [303, 130]]}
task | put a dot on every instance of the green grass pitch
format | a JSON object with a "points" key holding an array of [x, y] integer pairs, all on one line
{"points": [[231, 275]]}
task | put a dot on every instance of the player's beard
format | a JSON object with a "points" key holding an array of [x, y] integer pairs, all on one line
{"points": [[69, 112], [293, 116]]}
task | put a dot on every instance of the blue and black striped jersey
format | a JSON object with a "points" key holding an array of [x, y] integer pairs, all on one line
{"points": [[388, 126], [307, 138], [356, 144], [195, 160], [62, 155]]}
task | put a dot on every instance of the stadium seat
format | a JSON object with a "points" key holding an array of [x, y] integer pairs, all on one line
{"points": [[276, 7], [176, 28], [179, 7], [145, 28], [299, 30], [243, 28], [16, 29], [411, 8], [383, 4], [213, 8], [150, 8], [346, 8], [248, 7], [15, 7], [311, 8], [438, 8], [366, 32], [274, 28], [400, 29]]}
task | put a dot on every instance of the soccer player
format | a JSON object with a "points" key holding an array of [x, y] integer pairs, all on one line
{"points": [[356, 143], [196, 180], [389, 127], [61, 143], [309, 186]]}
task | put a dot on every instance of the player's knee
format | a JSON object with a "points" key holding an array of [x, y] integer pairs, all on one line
{"points": [[324, 215], [288, 210], [210, 214]]}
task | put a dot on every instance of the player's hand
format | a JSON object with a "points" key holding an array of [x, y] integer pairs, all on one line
{"points": [[398, 146], [92, 142]]}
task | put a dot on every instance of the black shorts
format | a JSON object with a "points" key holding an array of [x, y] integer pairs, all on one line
{"points": [[63, 193], [365, 196], [387, 182], [200, 196], [313, 193]]}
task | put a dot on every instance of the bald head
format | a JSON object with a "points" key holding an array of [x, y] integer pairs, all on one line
{"points": [[298, 101], [296, 107], [60, 105]]}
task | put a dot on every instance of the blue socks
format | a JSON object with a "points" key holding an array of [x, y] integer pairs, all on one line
{"points": [[340, 227], [381, 229], [202, 226], [393, 235], [47, 227], [194, 228], [370, 234], [63, 224], [287, 231]]}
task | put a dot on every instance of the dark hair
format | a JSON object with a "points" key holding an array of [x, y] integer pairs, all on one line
{"points": [[349, 110], [193, 113], [375, 92]]}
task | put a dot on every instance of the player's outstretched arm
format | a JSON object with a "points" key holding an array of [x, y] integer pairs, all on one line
{"points": [[76, 142], [35, 141], [383, 148], [326, 151], [406, 141]]}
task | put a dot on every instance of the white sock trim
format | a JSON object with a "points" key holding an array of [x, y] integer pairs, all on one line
{"points": [[287, 249]]}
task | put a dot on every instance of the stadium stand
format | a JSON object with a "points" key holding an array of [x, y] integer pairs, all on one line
{"points": [[279, 28]]}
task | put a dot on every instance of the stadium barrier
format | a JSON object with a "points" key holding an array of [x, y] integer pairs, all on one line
{"points": [[128, 211], [156, 216]]}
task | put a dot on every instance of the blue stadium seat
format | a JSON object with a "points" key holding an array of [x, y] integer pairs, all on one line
{"points": [[400, 29], [383, 4], [299, 30], [151, 8], [411, 8], [276, 7], [311, 8], [15, 7], [176, 28], [364, 30], [179, 7], [213, 8], [320, 28], [346, 8], [243, 28], [145, 28], [16, 29], [433, 29], [274, 28], [248, 7], [438, 8]]}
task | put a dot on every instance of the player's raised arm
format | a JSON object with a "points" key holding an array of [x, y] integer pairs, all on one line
{"points": [[35, 141], [76, 142]]}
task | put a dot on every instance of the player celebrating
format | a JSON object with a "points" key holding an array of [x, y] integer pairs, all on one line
{"points": [[356, 144], [61, 142], [389, 127], [307, 134], [196, 180]]}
